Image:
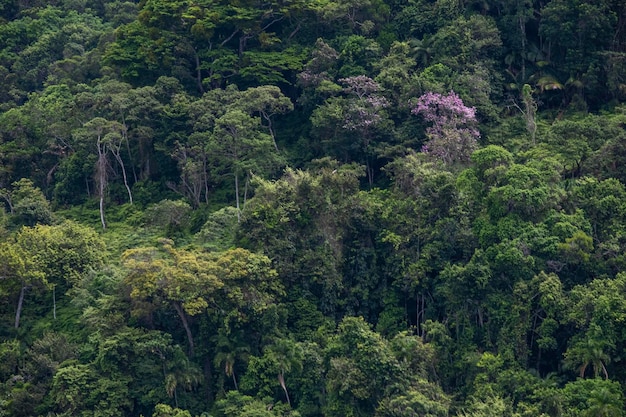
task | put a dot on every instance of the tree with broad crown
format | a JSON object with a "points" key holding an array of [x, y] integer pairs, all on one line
{"points": [[240, 147], [184, 279], [452, 135], [27, 204], [363, 112], [19, 269]]}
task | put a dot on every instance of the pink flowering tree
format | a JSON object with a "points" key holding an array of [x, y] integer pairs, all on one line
{"points": [[365, 104], [452, 134], [353, 122], [362, 112]]}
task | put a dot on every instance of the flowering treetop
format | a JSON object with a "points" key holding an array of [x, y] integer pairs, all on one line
{"points": [[363, 110], [452, 134], [444, 110]]}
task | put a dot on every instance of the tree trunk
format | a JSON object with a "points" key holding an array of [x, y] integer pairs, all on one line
{"points": [[271, 129], [20, 303], [104, 225], [205, 176], [420, 306], [118, 157], [116, 150], [370, 172], [101, 174], [130, 158], [245, 191], [235, 380], [183, 318], [208, 376], [281, 379], [87, 187], [7, 197], [237, 197], [50, 173], [198, 71]]}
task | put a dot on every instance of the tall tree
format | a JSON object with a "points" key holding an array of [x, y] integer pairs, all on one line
{"points": [[21, 271], [46, 256], [185, 280], [452, 134], [104, 134], [237, 144]]}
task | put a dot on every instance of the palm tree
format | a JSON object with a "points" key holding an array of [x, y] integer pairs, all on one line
{"points": [[588, 353], [287, 355], [230, 349], [180, 373]]}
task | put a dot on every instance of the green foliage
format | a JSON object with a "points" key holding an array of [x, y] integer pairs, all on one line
{"points": [[219, 231], [164, 410], [186, 280], [153, 368], [494, 288], [76, 389], [593, 397], [236, 404], [360, 360], [172, 216], [28, 206], [67, 250]]}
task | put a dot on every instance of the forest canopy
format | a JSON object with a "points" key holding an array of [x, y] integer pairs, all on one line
{"points": [[327, 208]]}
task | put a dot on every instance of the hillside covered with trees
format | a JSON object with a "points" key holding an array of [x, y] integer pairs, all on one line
{"points": [[313, 208]]}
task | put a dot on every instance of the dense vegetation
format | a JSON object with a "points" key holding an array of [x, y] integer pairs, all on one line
{"points": [[312, 208]]}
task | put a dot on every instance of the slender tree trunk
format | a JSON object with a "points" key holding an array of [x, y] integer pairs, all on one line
{"points": [[235, 380], [7, 197], [420, 306], [245, 191], [296, 30], [118, 157], [205, 177], [51, 173], [20, 304], [130, 157], [198, 71], [370, 173], [54, 301], [183, 318], [606, 374], [101, 174], [104, 225], [271, 129], [237, 197], [208, 376], [87, 187], [281, 379], [417, 314]]}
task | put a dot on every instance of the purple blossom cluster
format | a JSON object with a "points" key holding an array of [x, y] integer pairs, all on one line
{"points": [[312, 79], [359, 117], [362, 111], [377, 102], [452, 134], [316, 70], [444, 110], [360, 85]]}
